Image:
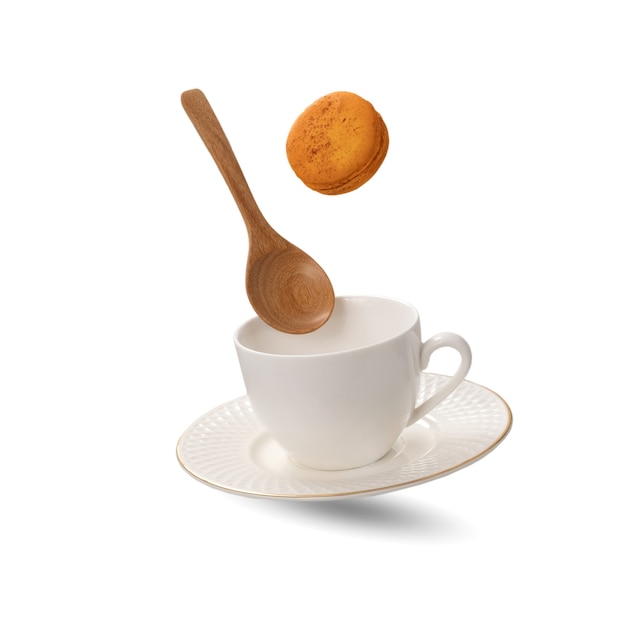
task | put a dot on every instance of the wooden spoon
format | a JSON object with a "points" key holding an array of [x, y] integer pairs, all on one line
{"points": [[286, 287]]}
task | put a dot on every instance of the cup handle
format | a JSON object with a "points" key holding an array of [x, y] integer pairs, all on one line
{"points": [[443, 340]]}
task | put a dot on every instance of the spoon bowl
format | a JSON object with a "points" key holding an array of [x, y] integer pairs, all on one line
{"points": [[286, 287], [294, 297]]}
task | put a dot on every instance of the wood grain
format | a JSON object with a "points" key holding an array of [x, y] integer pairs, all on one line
{"points": [[285, 286]]}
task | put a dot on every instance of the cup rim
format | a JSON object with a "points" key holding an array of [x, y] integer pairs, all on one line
{"points": [[256, 319]]}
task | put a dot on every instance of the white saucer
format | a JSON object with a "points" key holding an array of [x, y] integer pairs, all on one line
{"points": [[227, 448]]}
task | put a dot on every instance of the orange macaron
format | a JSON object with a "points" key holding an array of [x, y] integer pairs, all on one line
{"points": [[337, 143]]}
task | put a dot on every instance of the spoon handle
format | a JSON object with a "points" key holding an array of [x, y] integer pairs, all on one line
{"points": [[210, 130]]}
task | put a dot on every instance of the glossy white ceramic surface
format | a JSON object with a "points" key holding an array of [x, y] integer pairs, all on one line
{"points": [[339, 398]]}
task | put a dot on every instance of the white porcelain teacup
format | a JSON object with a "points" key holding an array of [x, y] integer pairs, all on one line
{"points": [[340, 397]]}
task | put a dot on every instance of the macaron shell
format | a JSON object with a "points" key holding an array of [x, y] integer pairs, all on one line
{"points": [[338, 143]]}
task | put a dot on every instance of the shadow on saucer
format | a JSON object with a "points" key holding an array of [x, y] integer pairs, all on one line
{"points": [[399, 519]]}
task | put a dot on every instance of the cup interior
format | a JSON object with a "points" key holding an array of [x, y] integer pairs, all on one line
{"points": [[356, 322]]}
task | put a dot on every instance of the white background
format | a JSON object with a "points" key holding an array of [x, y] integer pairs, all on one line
{"points": [[497, 213]]}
